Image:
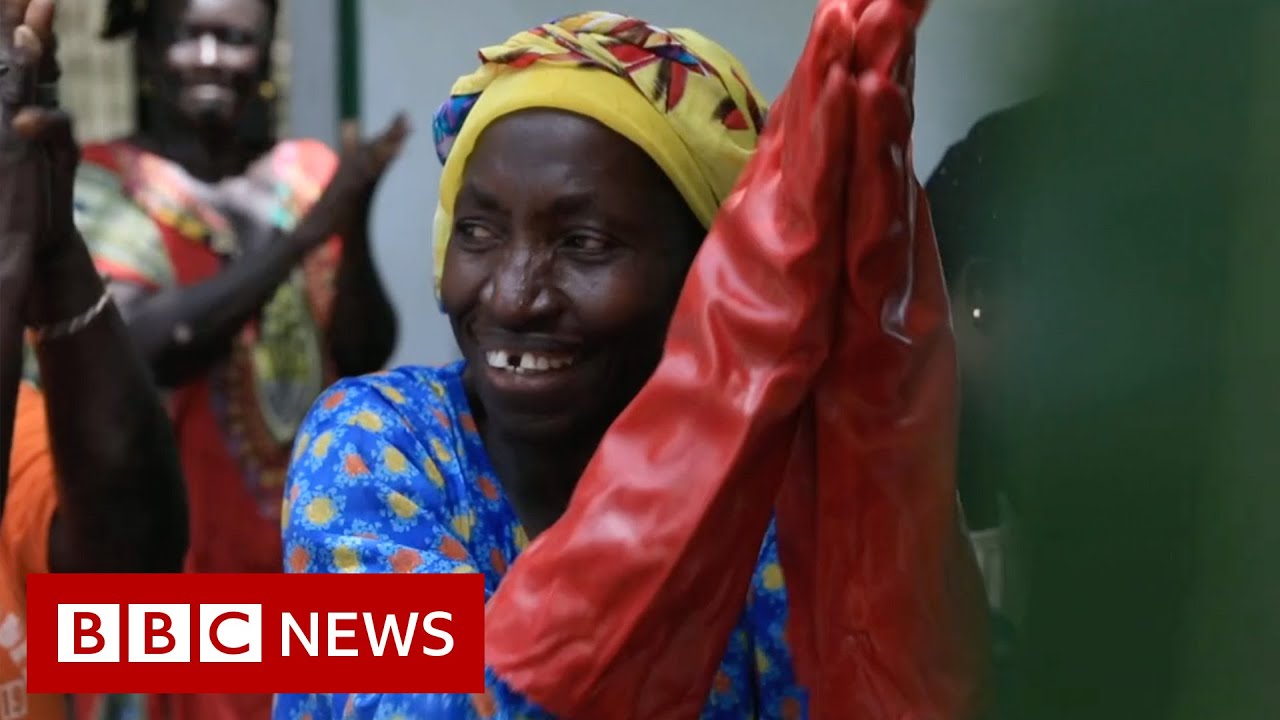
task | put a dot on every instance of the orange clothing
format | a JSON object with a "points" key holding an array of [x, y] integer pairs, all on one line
{"points": [[24, 549]]}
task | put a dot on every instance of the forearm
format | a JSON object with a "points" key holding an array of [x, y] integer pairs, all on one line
{"points": [[182, 331], [362, 332], [13, 290], [121, 498]]}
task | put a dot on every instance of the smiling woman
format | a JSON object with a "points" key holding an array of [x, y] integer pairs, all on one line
{"points": [[568, 252], [584, 162]]}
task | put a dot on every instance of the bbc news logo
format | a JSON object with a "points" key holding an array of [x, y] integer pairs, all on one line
{"points": [[162, 633], [158, 633], [255, 633]]}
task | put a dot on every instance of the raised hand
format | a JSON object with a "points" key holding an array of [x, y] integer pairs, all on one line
{"points": [[364, 161], [26, 27], [36, 135], [28, 68], [345, 201]]}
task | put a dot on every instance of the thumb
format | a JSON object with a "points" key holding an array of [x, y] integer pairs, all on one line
{"points": [[388, 143], [49, 127]]}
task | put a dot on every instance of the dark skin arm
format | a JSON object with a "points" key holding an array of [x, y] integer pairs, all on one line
{"points": [[15, 263], [121, 498], [182, 331], [362, 331], [19, 219]]}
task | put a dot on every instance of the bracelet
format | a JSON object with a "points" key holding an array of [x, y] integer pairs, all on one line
{"points": [[73, 325]]}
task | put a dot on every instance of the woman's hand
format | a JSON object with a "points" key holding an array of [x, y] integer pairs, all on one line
{"points": [[35, 129], [26, 30], [42, 134], [364, 161], [346, 199]]}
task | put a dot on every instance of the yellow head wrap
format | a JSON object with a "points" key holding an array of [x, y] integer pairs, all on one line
{"points": [[679, 96]]}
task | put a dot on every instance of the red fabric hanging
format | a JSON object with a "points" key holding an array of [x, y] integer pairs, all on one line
{"points": [[809, 368]]}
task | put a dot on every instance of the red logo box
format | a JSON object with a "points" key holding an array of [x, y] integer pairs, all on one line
{"points": [[255, 633]]}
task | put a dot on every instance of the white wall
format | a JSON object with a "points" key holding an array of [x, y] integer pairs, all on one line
{"points": [[974, 56], [313, 89]]}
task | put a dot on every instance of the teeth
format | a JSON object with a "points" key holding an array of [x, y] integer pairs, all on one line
{"points": [[526, 362]]}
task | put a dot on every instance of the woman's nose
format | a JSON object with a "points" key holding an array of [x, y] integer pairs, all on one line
{"points": [[517, 291]]}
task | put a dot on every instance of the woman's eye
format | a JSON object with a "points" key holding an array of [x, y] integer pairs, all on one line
{"points": [[587, 243], [475, 232], [475, 235]]}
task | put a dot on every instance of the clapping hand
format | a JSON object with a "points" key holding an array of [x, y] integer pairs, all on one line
{"points": [[36, 141]]}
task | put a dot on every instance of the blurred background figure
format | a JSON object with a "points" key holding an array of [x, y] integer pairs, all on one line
{"points": [[242, 267], [1137, 399], [969, 200]]}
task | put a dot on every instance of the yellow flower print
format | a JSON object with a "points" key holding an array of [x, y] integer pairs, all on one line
{"points": [[321, 446], [320, 511], [402, 506], [346, 559], [762, 662], [395, 460], [521, 538], [772, 576], [391, 394], [433, 473], [464, 570], [462, 525], [301, 446], [440, 451], [286, 507], [437, 388], [368, 420]]}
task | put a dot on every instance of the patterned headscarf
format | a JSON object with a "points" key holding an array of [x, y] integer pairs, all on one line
{"points": [[679, 96]]}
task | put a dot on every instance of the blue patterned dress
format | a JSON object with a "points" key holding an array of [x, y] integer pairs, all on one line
{"points": [[390, 475]]}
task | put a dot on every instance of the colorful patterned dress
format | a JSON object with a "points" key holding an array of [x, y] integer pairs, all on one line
{"points": [[390, 475], [146, 224]]}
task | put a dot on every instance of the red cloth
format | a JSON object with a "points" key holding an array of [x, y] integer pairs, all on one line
{"points": [[810, 355]]}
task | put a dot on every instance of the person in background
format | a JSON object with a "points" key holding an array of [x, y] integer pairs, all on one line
{"points": [[583, 165], [243, 267], [966, 194], [90, 479]]}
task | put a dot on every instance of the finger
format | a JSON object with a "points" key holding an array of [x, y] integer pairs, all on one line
{"points": [[398, 129], [18, 78], [27, 48], [27, 123], [388, 144], [52, 128], [39, 17]]}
